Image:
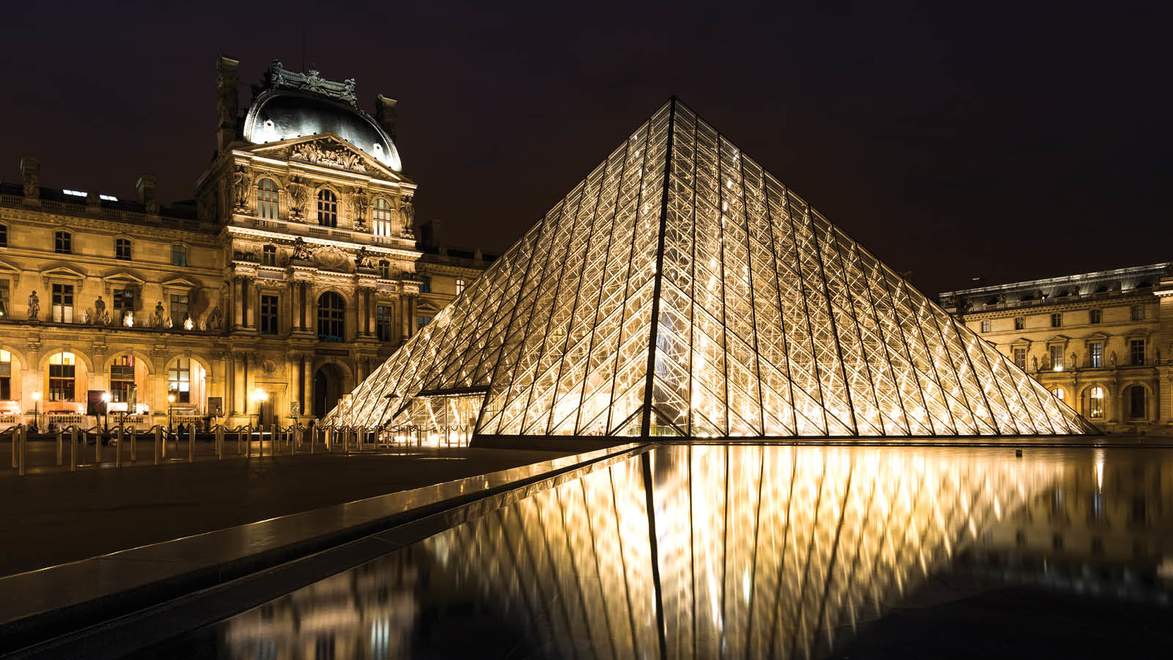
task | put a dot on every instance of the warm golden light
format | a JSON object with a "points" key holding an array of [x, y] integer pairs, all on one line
{"points": [[36, 396], [259, 395], [171, 397]]}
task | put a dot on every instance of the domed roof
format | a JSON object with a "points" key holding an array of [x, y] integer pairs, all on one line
{"points": [[281, 114]]}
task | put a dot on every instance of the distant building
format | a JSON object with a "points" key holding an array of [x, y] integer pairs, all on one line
{"points": [[293, 273], [1099, 341]]}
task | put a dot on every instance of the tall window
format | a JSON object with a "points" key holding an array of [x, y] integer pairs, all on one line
{"points": [[269, 255], [1094, 316], [381, 218], [123, 302], [327, 208], [1095, 354], [425, 284], [1095, 402], [122, 249], [3, 235], [985, 324], [385, 269], [1136, 312], [383, 322], [460, 284], [62, 310], [268, 315], [331, 317], [178, 255], [179, 380], [267, 199], [61, 376], [1136, 352], [1058, 392], [122, 378], [1137, 402], [1019, 322], [5, 375], [62, 242], [1057, 320], [1056, 358], [179, 309], [1020, 357], [4, 299]]}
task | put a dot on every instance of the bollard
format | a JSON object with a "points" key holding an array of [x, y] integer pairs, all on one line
{"points": [[73, 449], [98, 449], [118, 446], [60, 447], [158, 444], [249, 445], [273, 435], [133, 445], [15, 442], [290, 437], [190, 443], [239, 450], [24, 450], [219, 442]]}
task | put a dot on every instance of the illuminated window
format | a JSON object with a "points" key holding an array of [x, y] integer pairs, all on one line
{"points": [[327, 208], [62, 310], [986, 326], [1095, 398], [1019, 322], [1136, 352], [1136, 312], [122, 249], [460, 284], [1095, 354], [268, 199], [61, 376], [331, 317], [381, 218], [62, 242], [383, 320], [269, 315], [179, 309], [5, 375], [1094, 316], [269, 255], [179, 380], [123, 302], [1058, 392], [1056, 357], [1020, 357], [122, 378], [1057, 320], [178, 255]]}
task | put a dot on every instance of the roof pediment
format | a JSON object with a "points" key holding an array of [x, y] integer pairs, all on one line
{"points": [[326, 150], [62, 272], [123, 277], [180, 283]]}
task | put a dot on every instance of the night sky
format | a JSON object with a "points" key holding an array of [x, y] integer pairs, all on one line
{"points": [[953, 139]]}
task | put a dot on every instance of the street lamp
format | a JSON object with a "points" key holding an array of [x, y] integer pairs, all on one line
{"points": [[36, 411], [259, 397], [106, 412]]}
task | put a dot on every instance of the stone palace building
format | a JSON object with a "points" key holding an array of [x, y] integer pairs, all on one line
{"points": [[294, 272], [1100, 341]]}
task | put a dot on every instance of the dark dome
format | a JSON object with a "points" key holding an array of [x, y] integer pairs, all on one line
{"points": [[283, 114]]}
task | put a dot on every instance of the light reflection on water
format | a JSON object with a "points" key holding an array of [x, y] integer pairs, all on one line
{"points": [[747, 551]]}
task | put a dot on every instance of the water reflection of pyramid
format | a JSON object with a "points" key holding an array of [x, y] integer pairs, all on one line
{"points": [[716, 304]]}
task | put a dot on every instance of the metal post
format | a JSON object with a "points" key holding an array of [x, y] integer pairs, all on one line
{"points": [[190, 442], [249, 443], [239, 449], [273, 434], [24, 449], [159, 451], [133, 445], [98, 449], [60, 447], [73, 449], [118, 447], [219, 442], [309, 436], [15, 441]]}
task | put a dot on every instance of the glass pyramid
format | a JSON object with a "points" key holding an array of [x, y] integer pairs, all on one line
{"points": [[681, 290]]}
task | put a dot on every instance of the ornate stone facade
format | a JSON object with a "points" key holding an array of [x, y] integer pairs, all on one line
{"points": [[293, 274], [1102, 341]]}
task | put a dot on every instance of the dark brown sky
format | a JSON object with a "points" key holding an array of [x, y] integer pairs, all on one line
{"points": [[953, 139]]}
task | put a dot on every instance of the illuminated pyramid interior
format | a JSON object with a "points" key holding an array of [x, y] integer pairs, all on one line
{"points": [[681, 290]]}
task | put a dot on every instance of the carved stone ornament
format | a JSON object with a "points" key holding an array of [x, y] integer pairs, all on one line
{"points": [[240, 187], [407, 209], [312, 81], [295, 189], [359, 203], [215, 320], [328, 155], [34, 306], [301, 251], [332, 258], [362, 259]]}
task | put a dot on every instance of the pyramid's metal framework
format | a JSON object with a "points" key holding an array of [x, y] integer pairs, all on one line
{"points": [[681, 290]]}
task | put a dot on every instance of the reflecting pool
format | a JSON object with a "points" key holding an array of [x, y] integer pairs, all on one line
{"points": [[708, 551]]}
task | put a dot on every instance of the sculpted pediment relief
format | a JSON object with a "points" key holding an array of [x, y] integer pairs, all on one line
{"points": [[332, 258], [326, 151]]}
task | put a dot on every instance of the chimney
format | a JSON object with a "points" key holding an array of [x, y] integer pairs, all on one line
{"points": [[30, 173], [93, 202], [146, 194], [227, 101], [386, 112]]}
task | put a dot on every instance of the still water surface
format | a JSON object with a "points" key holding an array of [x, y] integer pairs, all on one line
{"points": [[768, 551]]}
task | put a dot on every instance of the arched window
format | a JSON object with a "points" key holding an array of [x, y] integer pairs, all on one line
{"points": [[1058, 392], [327, 208], [1137, 402], [267, 199], [179, 380], [122, 378], [331, 317], [1095, 402], [62, 372], [381, 218]]}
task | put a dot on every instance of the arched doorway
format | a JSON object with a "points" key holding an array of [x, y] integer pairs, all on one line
{"points": [[329, 386]]}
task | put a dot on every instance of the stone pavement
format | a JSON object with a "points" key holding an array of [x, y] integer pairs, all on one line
{"points": [[53, 517]]}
